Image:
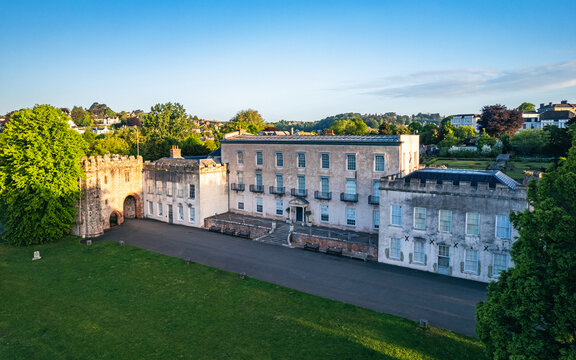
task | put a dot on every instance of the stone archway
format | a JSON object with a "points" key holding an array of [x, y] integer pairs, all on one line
{"points": [[116, 218], [130, 207]]}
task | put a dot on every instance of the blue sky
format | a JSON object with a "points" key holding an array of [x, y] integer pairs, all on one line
{"points": [[293, 60]]}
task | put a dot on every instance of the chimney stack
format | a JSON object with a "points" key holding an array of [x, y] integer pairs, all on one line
{"points": [[175, 152]]}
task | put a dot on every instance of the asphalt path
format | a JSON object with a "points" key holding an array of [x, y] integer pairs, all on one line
{"points": [[443, 301]]}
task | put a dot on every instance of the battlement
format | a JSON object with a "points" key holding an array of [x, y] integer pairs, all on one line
{"points": [[180, 165], [448, 187], [110, 161]]}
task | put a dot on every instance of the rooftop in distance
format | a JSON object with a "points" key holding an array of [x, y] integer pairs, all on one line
{"points": [[491, 177], [315, 139]]}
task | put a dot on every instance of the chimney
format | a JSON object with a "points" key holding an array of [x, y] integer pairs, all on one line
{"points": [[564, 102], [541, 105], [175, 152], [550, 104]]}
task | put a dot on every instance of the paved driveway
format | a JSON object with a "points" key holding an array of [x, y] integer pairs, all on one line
{"points": [[443, 301]]}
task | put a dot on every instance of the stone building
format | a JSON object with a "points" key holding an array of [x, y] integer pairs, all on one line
{"points": [[110, 192], [329, 181], [448, 221], [184, 190]]}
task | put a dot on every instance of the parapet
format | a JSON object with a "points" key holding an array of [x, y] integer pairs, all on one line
{"points": [[109, 161], [448, 187]]}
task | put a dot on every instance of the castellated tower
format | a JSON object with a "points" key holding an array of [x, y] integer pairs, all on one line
{"points": [[111, 191]]}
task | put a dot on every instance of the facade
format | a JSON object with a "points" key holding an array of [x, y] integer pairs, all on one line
{"points": [[329, 181], [556, 118], [531, 120], [184, 191], [465, 120], [451, 222], [563, 106], [110, 192]]}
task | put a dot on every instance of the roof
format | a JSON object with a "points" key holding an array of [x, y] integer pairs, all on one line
{"points": [[465, 115], [185, 161], [556, 115], [315, 139], [492, 177]]}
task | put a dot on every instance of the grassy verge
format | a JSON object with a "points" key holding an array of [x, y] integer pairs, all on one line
{"points": [[109, 301]]}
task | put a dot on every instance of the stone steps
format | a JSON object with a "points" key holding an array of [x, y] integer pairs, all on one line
{"points": [[278, 237]]}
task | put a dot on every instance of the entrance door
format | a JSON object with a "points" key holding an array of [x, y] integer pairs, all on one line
{"points": [[170, 214], [444, 259], [299, 214], [113, 219]]}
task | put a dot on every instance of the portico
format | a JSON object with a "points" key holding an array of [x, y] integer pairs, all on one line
{"points": [[298, 208]]}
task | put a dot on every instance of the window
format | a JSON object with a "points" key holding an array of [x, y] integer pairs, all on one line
{"points": [[351, 162], [419, 251], [279, 159], [420, 218], [180, 212], [127, 176], [301, 183], [324, 185], [445, 221], [240, 177], [259, 158], [396, 211], [150, 208], [500, 264], [105, 180], [240, 200], [351, 186], [279, 181], [192, 214], [240, 157], [279, 208], [472, 223], [150, 186], [324, 213], [376, 219], [350, 216], [376, 189], [160, 207], [395, 248], [168, 188], [471, 263], [325, 161], [259, 207], [502, 227], [192, 193], [179, 190], [301, 160], [379, 163], [159, 187], [258, 179]]}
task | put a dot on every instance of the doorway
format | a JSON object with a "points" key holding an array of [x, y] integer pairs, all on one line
{"points": [[130, 207], [113, 219], [444, 259], [170, 214], [299, 213]]}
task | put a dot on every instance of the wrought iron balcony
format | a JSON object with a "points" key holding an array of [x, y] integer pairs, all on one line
{"points": [[374, 200], [299, 192], [257, 188], [349, 197], [237, 187], [322, 195], [276, 190]]}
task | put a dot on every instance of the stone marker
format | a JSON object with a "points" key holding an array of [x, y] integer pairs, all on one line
{"points": [[36, 256], [88, 242]]}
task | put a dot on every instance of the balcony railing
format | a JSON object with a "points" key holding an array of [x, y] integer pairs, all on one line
{"points": [[257, 188], [322, 195], [276, 190], [237, 187], [299, 192], [374, 200], [349, 197]]}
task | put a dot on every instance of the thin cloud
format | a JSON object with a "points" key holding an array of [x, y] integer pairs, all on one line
{"points": [[465, 82]]}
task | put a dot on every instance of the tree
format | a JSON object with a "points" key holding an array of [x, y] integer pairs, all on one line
{"points": [[529, 312], [109, 144], [498, 120], [39, 175], [134, 121], [249, 120], [77, 113], [526, 106], [356, 126], [529, 142], [385, 128]]}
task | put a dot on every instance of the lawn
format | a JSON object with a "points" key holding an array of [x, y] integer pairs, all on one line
{"points": [[108, 301]]}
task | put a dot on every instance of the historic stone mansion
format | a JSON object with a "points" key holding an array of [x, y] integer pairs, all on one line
{"points": [[447, 221]]}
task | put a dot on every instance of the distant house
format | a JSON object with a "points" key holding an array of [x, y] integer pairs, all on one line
{"points": [[106, 120], [531, 120], [73, 126], [556, 118], [465, 120], [563, 106], [99, 131]]}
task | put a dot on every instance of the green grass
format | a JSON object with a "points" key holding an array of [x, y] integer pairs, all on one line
{"points": [[109, 301]]}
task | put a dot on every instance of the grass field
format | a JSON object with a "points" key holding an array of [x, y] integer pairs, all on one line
{"points": [[109, 301]]}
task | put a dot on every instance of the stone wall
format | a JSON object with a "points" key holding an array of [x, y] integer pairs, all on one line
{"points": [[255, 231], [349, 248], [111, 189]]}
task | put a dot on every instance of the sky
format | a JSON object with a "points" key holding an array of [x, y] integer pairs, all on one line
{"points": [[292, 60]]}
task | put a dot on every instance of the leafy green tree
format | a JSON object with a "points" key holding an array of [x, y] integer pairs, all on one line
{"points": [[167, 121], [194, 146], [415, 127], [385, 128], [529, 142], [464, 133], [529, 312], [109, 144], [77, 113], [429, 133], [109, 112], [339, 127], [526, 106], [356, 126], [485, 139], [39, 175], [249, 120], [98, 109]]}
